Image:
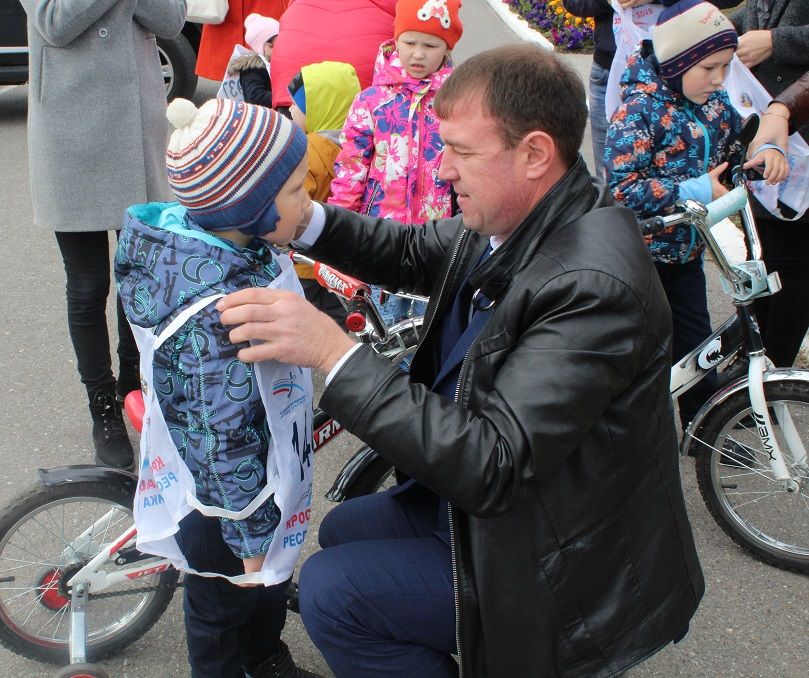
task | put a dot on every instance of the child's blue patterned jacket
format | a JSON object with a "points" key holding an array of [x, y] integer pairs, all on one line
{"points": [[660, 147], [208, 396]]}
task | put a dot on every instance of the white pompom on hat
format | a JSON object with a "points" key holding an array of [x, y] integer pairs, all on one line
{"points": [[258, 29]]}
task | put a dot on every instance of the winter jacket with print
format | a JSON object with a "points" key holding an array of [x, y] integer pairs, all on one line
{"points": [[657, 141], [208, 396], [253, 77], [391, 150]]}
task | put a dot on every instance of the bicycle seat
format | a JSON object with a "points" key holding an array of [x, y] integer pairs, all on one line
{"points": [[135, 409], [340, 283]]}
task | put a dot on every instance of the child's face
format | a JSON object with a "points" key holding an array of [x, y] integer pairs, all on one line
{"points": [[290, 202], [421, 54], [268, 49], [298, 116], [706, 76]]}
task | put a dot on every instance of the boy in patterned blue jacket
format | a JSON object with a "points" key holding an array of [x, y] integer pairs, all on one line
{"points": [[238, 172], [670, 140]]}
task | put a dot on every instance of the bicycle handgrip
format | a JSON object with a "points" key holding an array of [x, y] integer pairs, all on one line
{"points": [[355, 315], [652, 226], [728, 204]]}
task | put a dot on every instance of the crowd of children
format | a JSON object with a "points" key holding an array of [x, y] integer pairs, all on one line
{"points": [[244, 176]]}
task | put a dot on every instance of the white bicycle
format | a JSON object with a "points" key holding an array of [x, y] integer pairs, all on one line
{"points": [[750, 438]]}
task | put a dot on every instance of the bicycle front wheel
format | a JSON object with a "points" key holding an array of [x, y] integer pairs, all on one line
{"points": [[46, 535], [738, 485]]}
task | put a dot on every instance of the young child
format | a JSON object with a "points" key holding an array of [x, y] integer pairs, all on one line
{"points": [[388, 164], [225, 458], [247, 77], [321, 96], [670, 140]]}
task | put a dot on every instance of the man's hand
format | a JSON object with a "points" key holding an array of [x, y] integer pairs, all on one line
{"points": [[754, 47], [717, 188], [289, 328], [627, 4]]}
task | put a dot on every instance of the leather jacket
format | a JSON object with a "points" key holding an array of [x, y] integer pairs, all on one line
{"points": [[572, 552]]}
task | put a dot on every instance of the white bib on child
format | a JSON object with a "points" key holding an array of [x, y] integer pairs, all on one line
{"points": [[166, 491], [231, 87]]}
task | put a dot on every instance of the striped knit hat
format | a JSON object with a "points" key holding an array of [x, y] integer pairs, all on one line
{"points": [[228, 160], [687, 32]]}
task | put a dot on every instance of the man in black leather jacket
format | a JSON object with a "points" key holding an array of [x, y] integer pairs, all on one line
{"points": [[543, 529]]}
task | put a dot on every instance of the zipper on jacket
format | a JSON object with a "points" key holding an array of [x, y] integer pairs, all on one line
{"points": [[449, 506], [705, 159], [444, 282], [452, 530]]}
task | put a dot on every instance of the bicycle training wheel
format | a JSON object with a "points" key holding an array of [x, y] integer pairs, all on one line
{"points": [[738, 485], [46, 535]]}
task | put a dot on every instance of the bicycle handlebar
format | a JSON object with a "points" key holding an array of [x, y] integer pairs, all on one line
{"points": [[710, 214], [724, 206]]}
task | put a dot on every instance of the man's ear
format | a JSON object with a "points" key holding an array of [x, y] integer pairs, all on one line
{"points": [[540, 154]]}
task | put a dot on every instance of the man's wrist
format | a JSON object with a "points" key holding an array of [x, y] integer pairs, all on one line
{"points": [[340, 349]]}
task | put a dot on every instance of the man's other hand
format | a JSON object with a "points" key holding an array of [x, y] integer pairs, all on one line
{"points": [[287, 327]]}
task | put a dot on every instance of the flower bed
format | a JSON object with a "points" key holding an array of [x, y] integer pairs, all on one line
{"points": [[560, 27]]}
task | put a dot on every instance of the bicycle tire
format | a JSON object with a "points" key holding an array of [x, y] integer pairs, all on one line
{"points": [[737, 484], [39, 529], [371, 479]]}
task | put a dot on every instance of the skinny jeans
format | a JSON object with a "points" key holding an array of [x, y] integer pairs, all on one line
{"points": [[86, 258]]}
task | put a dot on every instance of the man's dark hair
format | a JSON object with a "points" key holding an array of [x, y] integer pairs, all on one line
{"points": [[525, 89]]}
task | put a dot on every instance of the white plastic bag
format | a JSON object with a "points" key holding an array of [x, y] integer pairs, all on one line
{"points": [[206, 11], [631, 27], [749, 96]]}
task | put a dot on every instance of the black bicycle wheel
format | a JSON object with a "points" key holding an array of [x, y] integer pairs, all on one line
{"points": [[738, 485], [376, 476], [46, 535]]}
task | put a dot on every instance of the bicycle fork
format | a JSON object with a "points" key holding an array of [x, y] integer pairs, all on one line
{"points": [[766, 431]]}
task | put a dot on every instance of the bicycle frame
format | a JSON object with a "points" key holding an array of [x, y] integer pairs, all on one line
{"points": [[744, 282]]}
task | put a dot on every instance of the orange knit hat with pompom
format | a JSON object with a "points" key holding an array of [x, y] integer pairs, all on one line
{"points": [[434, 17]]}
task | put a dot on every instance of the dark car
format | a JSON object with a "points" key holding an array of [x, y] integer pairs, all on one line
{"points": [[178, 57]]}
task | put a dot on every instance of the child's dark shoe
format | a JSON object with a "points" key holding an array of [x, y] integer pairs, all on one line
{"points": [[281, 665]]}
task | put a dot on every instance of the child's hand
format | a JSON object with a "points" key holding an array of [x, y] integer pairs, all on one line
{"points": [[776, 166], [251, 565], [717, 188]]}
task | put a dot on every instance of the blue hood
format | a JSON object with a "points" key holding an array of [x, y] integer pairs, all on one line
{"points": [[164, 261]]}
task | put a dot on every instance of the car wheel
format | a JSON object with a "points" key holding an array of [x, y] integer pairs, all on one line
{"points": [[177, 61]]}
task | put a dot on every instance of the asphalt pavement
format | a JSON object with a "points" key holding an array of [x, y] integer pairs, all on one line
{"points": [[752, 621]]}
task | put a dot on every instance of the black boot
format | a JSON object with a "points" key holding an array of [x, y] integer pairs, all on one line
{"points": [[109, 433], [281, 665], [128, 380]]}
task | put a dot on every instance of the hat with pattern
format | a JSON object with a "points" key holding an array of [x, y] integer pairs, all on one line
{"points": [[227, 161], [687, 32], [434, 17]]}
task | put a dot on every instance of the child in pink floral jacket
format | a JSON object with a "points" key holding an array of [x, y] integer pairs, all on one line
{"points": [[390, 147]]}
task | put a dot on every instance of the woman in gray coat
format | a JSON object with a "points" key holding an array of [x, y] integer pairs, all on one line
{"points": [[97, 136]]}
